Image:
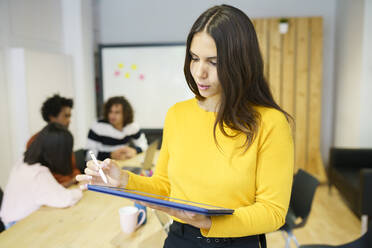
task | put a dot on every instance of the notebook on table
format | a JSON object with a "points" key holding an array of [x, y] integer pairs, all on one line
{"points": [[164, 201]]}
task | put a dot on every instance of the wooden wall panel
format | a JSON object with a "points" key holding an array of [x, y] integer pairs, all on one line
{"points": [[263, 39], [288, 61], [315, 96], [302, 78], [293, 68], [274, 59]]}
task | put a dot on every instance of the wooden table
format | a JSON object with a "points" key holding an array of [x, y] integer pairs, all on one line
{"points": [[92, 222]]}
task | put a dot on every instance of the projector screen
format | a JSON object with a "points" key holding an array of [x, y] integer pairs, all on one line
{"points": [[150, 76]]}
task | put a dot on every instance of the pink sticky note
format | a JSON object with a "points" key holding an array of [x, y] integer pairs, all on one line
{"points": [[141, 76], [117, 73]]}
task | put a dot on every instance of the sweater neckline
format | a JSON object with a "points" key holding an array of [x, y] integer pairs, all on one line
{"points": [[196, 103]]}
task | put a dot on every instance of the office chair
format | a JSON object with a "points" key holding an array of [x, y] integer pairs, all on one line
{"points": [[2, 227], [365, 241], [303, 190], [80, 156]]}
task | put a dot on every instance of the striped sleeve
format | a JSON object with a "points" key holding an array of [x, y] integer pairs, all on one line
{"points": [[139, 139]]}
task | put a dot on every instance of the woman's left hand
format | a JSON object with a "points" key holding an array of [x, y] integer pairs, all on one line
{"points": [[128, 152], [194, 219]]}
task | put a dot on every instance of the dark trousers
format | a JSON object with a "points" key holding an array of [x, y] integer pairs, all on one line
{"points": [[186, 236]]}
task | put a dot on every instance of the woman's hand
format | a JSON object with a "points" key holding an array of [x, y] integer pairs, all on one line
{"points": [[123, 153], [116, 177], [118, 154], [196, 220], [129, 152], [69, 183]]}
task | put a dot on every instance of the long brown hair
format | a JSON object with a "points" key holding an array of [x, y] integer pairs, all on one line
{"points": [[52, 148], [239, 68]]}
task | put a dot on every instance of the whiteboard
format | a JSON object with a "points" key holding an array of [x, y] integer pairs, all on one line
{"points": [[150, 76]]}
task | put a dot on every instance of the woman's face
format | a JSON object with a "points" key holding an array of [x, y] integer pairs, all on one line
{"points": [[203, 65], [115, 116]]}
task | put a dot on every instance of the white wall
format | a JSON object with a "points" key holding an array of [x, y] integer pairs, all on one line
{"points": [[34, 24], [366, 85], [39, 28], [348, 68], [5, 151], [79, 43], [169, 21], [31, 24], [17, 101], [46, 74], [353, 74], [32, 77]]}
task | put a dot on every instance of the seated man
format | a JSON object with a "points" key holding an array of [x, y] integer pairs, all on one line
{"points": [[57, 109], [111, 136]]}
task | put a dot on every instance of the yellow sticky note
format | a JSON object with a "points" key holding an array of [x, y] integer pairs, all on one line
{"points": [[120, 65], [134, 67], [127, 75]]}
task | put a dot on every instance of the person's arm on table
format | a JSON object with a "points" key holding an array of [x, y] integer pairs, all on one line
{"points": [[50, 193]]}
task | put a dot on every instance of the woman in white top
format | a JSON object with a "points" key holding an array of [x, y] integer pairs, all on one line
{"points": [[31, 183]]}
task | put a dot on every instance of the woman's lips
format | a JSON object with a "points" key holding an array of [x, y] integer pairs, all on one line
{"points": [[203, 86]]}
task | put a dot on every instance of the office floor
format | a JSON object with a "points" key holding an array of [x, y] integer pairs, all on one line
{"points": [[330, 222]]}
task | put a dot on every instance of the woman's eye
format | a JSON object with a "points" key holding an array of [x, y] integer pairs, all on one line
{"points": [[194, 58], [214, 63]]}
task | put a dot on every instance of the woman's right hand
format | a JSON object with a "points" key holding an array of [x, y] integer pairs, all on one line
{"points": [[118, 154], [116, 177]]}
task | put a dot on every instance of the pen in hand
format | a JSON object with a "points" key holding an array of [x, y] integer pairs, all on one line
{"points": [[103, 176]]}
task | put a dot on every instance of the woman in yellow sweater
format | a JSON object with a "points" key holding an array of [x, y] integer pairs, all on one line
{"points": [[230, 146]]}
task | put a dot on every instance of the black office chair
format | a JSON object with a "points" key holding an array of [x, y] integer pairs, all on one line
{"points": [[303, 190], [2, 227], [365, 241], [80, 156]]}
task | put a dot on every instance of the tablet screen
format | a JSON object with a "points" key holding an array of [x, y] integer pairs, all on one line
{"points": [[166, 201]]}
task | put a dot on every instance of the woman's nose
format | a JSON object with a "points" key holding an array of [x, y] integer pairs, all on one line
{"points": [[201, 70]]}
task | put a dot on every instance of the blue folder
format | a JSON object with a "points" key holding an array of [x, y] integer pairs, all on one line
{"points": [[165, 201]]}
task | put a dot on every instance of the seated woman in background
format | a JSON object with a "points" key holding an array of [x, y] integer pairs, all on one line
{"points": [[31, 183], [111, 136]]}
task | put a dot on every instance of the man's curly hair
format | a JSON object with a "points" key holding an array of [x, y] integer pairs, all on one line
{"points": [[53, 106]]}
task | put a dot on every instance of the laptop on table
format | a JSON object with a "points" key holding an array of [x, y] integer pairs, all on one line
{"points": [[148, 160]]}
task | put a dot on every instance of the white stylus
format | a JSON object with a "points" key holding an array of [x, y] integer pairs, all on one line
{"points": [[103, 176]]}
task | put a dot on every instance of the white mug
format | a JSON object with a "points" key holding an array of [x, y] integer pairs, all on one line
{"points": [[128, 218]]}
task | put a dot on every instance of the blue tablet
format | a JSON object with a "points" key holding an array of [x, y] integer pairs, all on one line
{"points": [[165, 201]]}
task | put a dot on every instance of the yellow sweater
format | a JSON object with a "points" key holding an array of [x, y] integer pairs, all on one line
{"points": [[257, 183]]}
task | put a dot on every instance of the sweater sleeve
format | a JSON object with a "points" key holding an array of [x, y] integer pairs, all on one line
{"points": [[66, 178], [159, 182], [50, 193], [139, 139], [274, 176], [29, 142]]}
